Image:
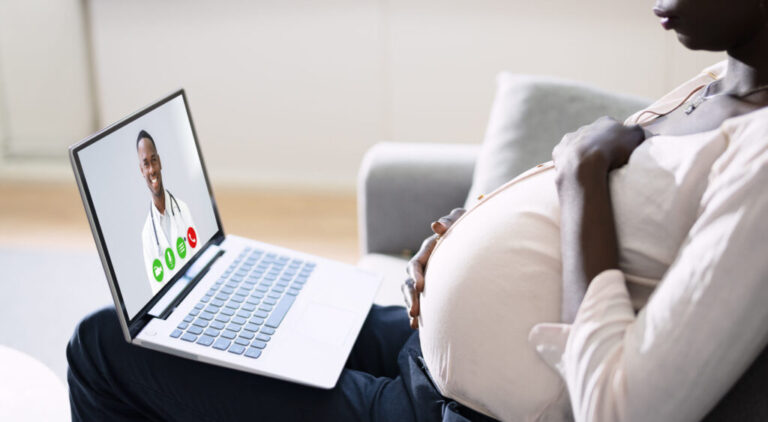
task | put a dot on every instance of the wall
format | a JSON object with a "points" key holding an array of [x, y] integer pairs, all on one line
{"points": [[291, 93], [46, 102]]}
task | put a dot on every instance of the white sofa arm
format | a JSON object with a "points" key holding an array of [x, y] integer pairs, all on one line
{"points": [[403, 187]]}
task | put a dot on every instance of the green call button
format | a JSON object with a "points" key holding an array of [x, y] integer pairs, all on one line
{"points": [[157, 270], [181, 247], [170, 258]]}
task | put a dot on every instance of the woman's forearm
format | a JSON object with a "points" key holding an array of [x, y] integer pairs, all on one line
{"points": [[588, 232]]}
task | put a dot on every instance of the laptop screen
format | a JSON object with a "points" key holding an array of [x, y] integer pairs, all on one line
{"points": [[149, 198]]}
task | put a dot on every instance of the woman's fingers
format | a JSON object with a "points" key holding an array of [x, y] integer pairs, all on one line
{"points": [[411, 297], [444, 223], [415, 304], [415, 267]]}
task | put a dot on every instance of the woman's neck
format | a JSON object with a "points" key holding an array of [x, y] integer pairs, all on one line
{"points": [[747, 65]]}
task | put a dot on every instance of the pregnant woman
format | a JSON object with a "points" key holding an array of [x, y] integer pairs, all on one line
{"points": [[623, 281]]}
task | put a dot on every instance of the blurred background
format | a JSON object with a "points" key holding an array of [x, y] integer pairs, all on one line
{"points": [[286, 97]]}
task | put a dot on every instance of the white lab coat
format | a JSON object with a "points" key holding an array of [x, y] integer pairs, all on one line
{"points": [[181, 221]]}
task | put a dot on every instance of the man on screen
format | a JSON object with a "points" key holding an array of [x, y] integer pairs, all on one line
{"points": [[169, 234]]}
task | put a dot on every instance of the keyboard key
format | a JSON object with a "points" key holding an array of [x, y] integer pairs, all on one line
{"points": [[227, 312], [253, 353], [292, 292], [261, 288], [262, 337], [228, 334], [244, 314], [237, 278], [249, 307], [260, 314], [268, 331], [269, 301], [183, 326], [195, 330], [257, 321], [222, 296], [233, 305], [274, 295], [238, 299], [206, 316], [242, 341], [194, 312], [259, 344], [221, 344], [265, 308], [238, 320], [217, 302], [189, 318], [246, 334], [222, 318], [252, 301], [218, 325], [234, 327], [212, 309], [237, 349], [189, 337], [200, 322], [205, 299], [280, 310], [211, 332], [252, 327], [176, 333], [227, 290], [200, 306], [278, 289], [205, 340]]}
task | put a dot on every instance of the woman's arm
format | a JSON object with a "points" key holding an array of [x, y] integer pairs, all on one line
{"points": [[588, 232], [702, 327]]}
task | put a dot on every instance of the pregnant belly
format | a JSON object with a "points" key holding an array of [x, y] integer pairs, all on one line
{"points": [[494, 275]]}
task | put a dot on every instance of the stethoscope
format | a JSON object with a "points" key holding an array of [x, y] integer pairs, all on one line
{"points": [[173, 214]]}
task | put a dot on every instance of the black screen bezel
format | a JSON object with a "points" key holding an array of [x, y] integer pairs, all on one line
{"points": [[142, 317]]}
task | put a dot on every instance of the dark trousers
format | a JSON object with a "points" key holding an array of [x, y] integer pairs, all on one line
{"points": [[384, 380]]}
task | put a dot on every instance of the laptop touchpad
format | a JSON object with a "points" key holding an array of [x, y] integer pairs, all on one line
{"points": [[326, 324]]}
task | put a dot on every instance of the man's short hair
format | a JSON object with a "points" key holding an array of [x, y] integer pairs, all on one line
{"points": [[144, 134]]}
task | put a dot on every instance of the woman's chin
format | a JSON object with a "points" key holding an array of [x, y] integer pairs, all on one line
{"points": [[697, 43]]}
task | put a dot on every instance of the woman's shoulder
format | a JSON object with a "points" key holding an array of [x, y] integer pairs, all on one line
{"points": [[680, 94]]}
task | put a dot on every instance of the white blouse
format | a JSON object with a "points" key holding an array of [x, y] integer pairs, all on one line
{"points": [[688, 214], [707, 320]]}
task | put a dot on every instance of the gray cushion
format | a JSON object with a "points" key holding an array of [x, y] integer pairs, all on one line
{"points": [[530, 115]]}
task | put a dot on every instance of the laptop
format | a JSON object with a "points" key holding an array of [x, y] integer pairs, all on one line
{"points": [[184, 287]]}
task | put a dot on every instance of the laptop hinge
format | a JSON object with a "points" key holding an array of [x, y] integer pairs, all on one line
{"points": [[184, 285]]}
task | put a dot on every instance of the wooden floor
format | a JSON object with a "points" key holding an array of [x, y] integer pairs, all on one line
{"points": [[51, 216]]}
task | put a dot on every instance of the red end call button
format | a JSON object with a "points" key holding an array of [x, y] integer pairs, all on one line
{"points": [[191, 237]]}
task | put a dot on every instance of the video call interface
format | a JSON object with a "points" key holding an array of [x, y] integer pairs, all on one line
{"points": [[151, 200]]}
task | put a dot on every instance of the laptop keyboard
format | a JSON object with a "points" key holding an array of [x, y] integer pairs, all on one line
{"points": [[241, 311]]}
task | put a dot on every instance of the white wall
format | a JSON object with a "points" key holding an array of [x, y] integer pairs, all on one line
{"points": [[46, 101], [291, 93]]}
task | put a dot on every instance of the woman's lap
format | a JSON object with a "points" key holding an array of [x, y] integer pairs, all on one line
{"points": [[113, 380]]}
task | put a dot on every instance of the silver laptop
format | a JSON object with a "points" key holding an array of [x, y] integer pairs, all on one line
{"points": [[181, 286]]}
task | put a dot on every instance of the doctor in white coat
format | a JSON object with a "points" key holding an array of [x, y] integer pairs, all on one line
{"points": [[169, 237]]}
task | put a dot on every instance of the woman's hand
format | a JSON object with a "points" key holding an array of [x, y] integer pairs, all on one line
{"points": [[587, 227], [414, 285], [602, 146]]}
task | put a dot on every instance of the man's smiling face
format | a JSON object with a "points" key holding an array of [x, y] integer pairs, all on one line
{"points": [[149, 163]]}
